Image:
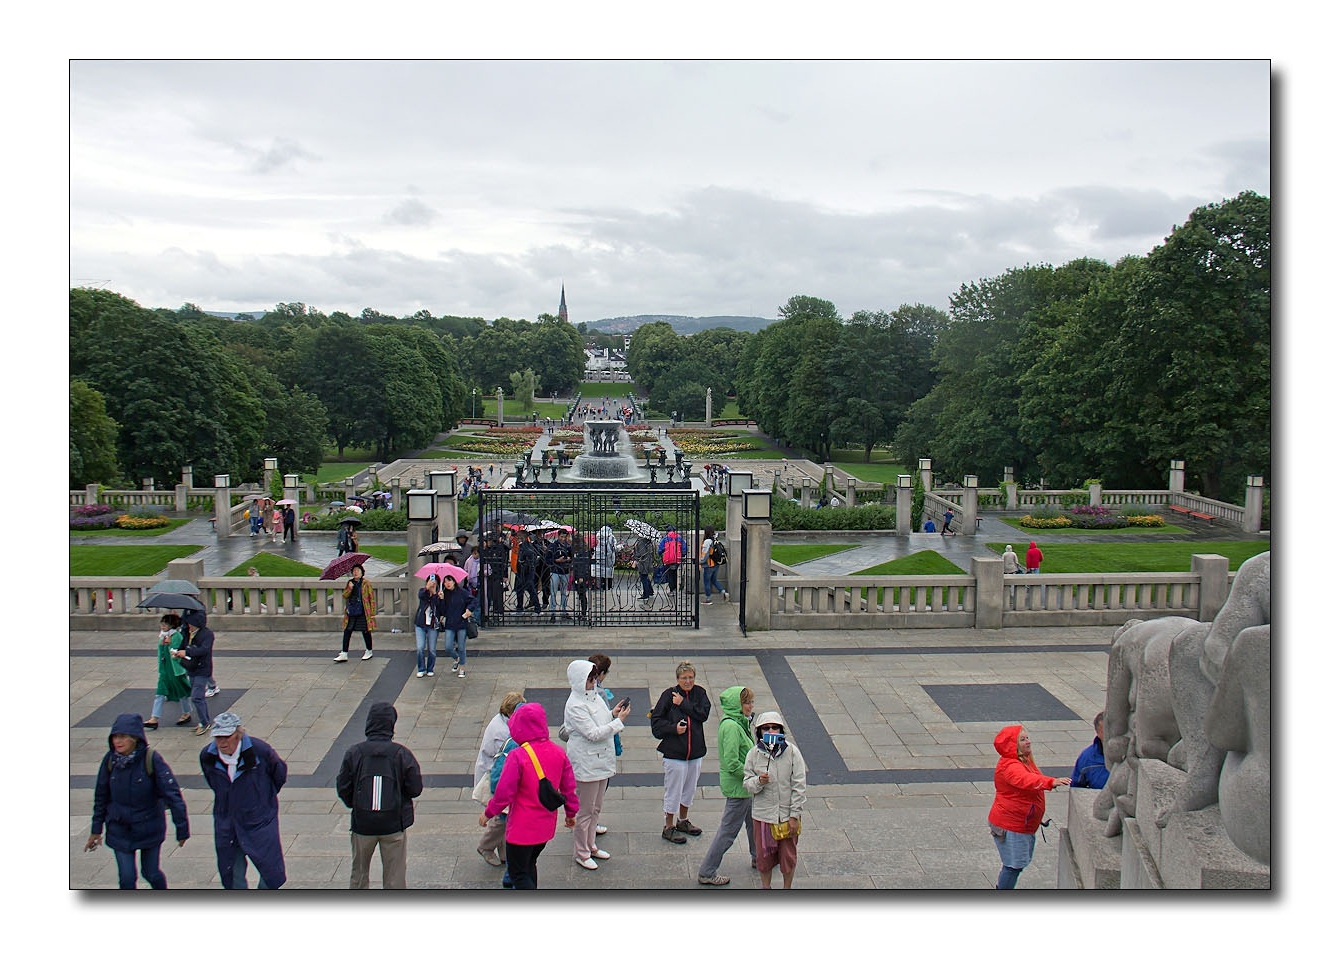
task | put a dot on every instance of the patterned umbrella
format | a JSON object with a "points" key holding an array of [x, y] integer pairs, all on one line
{"points": [[644, 530], [342, 565], [432, 549]]}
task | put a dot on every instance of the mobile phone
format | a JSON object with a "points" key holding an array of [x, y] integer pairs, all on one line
{"points": [[621, 703]]}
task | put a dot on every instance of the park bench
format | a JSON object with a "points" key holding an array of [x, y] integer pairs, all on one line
{"points": [[1194, 514]]}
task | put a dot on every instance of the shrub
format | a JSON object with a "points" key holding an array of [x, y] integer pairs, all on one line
{"points": [[1096, 517], [1044, 512], [97, 509], [1052, 522], [127, 521], [104, 521], [1150, 520]]}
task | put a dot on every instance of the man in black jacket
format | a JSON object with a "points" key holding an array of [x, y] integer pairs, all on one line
{"points": [[197, 657], [379, 780]]}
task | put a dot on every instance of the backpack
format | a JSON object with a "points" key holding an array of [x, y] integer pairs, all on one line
{"points": [[377, 792], [673, 551], [718, 553]]}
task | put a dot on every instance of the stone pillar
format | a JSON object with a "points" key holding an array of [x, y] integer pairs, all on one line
{"points": [[191, 570], [348, 490], [904, 504], [788, 488], [1177, 476], [395, 493], [989, 571], [419, 534], [851, 491], [222, 505], [1095, 494], [293, 491], [758, 606], [91, 494], [1011, 496], [1255, 503], [806, 488], [970, 505], [1213, 571], [500, 407], [181, 490], [709, 407], [148, 484], [829, 488], [736, 482], [777, 480], [448, 516], [271, 465], [188, 476], [924, 465]]}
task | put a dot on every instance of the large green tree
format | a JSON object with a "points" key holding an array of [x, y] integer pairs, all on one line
{"points": [[92, 437]]}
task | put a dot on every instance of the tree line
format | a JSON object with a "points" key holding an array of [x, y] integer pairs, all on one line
{"points": [[1087, 370]]}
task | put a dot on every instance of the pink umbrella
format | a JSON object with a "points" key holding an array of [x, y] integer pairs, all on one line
{"points": [[441, 569]]}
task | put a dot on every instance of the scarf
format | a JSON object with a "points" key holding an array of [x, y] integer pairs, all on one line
{"points": [[124, 762]]}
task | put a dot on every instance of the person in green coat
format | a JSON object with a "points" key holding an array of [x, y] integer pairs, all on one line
{"points": [[173, 683], [735, 738]]}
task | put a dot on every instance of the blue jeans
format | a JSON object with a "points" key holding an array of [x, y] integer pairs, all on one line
{"points": [[455, 639], [199, 683], [558, 583], [1016, 852], [125, 867], [425, 644], [159, 701], [710, 580]]}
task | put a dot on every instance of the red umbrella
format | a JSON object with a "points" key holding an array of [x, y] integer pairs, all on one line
{"points": [[342, 565], [441, 569]]}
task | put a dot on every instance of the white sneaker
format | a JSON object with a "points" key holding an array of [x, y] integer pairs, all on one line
{"points": [[587, 863], [707, 602], [601, 830], [430, 672], [725, 595], [600, 854], [419, 674], [212, 692], [367, 654], [342, 658], [461, 674]]}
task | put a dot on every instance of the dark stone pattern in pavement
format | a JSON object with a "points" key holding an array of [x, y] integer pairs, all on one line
{"points": [[141, 701], [985, 702]]}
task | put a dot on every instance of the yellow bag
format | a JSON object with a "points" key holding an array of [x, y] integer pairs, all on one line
{"points": [[782, 830]]}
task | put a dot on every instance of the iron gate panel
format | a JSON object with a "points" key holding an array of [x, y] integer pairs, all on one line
{"points": [[744, 573], [602, 600]]}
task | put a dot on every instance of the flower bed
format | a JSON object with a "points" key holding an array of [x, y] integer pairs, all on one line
{"points": [[1044, 522]]}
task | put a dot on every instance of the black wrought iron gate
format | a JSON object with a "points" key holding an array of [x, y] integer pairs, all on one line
{"points": [[605, 588], [743, 594]]}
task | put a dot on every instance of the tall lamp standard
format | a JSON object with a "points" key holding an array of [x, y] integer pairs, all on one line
{"points": [[473, 393]]}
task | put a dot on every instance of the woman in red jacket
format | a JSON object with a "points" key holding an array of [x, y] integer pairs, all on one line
{"points": [[1020, 803]]}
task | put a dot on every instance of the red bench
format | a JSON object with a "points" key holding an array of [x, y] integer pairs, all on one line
{"points": [[1194, 514]]}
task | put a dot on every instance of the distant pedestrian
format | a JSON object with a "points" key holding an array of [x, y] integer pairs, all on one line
{"points": [[197, 656], [1019, 805], [455, 605], [560, 573], [949, 520], [735, 738], [360, 613], [671, 548], [928, 526], [290, 520], [173, 683], [677, 721], [602, 564], [246, 775], [135, 786], [1011, 559], [492, 846], [1090, 770], [712, 558], [645, 561], [774, 773], [427, 622], [379, 779], [1033, 559], [530, 823], [276, 522]]}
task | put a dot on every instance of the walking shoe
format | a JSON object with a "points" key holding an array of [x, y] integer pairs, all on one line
{"points": [[599, 854], [152, 724], [669, 833], [707, 602], [456, 665], [713, 881], [601, 830], [201, 730], [490, 857], [725, 595], [461, 674], [685, 826], [587, 863], [430, 672], [185, 720], [419, 674], [342, 658], [367, 654], [212, 692]]}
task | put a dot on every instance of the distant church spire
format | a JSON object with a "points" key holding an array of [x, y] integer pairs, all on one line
{"points": [[563, 304]]}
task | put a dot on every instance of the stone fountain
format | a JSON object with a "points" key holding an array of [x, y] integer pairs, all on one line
{"points": [[608, 456]]}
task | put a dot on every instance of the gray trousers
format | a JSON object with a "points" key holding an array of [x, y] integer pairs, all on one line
{"points": [[736, 814], [394, 859]]}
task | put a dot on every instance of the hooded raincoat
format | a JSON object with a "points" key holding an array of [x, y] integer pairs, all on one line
{"points": [[528, 822], [1021, 788], [129, 801], [734, 740], [591, 726], [397, 813], [783, 796]]}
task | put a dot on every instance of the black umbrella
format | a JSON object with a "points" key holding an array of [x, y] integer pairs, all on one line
{"points": [[176, 586], [170, 601], [351, 520]]}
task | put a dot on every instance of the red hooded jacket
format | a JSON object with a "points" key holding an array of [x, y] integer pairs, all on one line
{"points": [[1021, 788], [1033, 558]]}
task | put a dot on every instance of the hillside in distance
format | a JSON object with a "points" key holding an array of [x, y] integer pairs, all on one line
{"points": [[680, 324]]}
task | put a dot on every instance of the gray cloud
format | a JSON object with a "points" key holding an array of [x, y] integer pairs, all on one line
{"points": [[411, 212]]}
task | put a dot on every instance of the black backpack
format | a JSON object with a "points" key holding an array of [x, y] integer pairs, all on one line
{"points": [[718, 553], [377, 791]]}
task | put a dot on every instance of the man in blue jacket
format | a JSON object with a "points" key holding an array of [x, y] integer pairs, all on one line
{"points": [[246, 775], [197, 657], [1091, 768]]}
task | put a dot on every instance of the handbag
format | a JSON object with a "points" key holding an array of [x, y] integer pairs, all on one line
{"points": [[471, 628], [550, 797], [782, 830], [482, 793]]}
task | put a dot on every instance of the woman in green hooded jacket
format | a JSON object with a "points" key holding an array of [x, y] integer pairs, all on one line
{"points": [[735, 738]]}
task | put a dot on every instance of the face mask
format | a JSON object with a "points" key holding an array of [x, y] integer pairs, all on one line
{"points": [[772, 739]]}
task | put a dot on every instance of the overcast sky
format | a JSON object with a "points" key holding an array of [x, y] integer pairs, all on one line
{"points": [[699, 188]]}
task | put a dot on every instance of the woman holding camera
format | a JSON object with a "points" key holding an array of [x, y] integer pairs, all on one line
{"points": [[591, 727]]}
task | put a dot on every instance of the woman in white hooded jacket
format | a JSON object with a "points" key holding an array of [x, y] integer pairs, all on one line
{"points": [[591, 728]]}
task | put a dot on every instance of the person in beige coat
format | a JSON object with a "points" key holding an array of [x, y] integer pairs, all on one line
{"points": [[774, 773]]}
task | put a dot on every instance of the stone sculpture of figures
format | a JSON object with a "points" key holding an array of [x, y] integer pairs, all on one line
{"points": [[1196, 696]]}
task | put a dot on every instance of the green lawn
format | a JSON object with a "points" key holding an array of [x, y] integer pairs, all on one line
{"points": [[1133, 557], [268, 564], [876, 472], [926, 562], [789, 554], [1073, 531], [333, 471], [389, 554], [125, 560], [133, 533]]}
